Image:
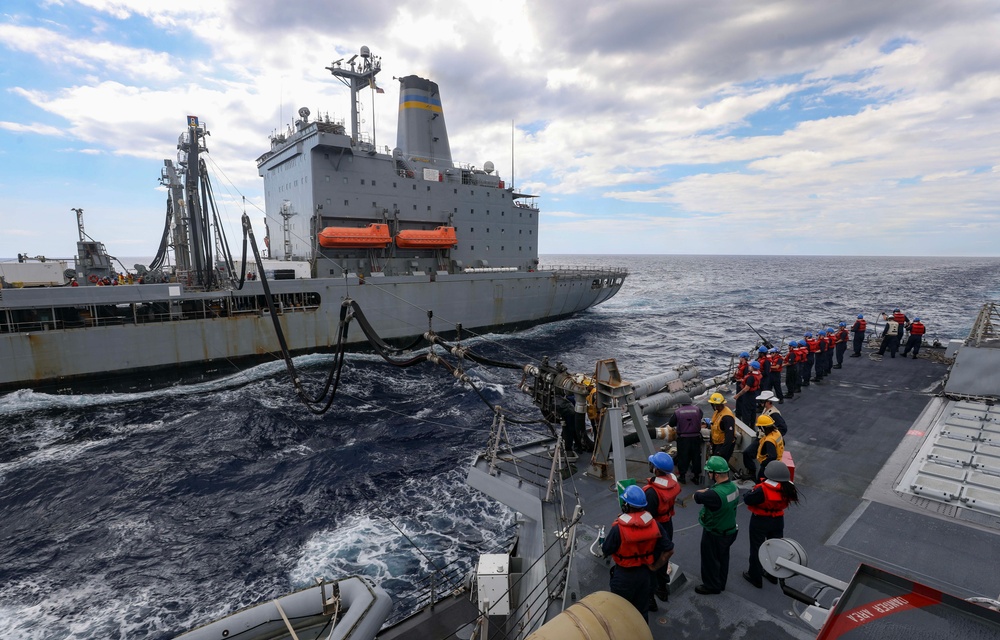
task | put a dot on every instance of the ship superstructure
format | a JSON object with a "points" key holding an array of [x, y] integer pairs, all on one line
{"points": [[355, 209]]}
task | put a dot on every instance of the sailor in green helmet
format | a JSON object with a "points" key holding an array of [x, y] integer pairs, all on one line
{"points": [[718, 521]]}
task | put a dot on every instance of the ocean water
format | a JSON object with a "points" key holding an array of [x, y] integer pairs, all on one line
{"points": [[141, 515]]}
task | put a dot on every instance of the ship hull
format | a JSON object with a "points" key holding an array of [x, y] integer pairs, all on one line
{"points": [[115, 335]]}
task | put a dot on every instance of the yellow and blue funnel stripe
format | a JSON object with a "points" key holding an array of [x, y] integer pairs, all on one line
{"points": [[416, 100]]}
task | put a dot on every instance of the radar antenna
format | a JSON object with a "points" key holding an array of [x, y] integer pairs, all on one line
{"points": [[358, 76]]}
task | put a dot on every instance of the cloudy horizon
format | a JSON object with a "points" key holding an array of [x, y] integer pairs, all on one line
{"points": [[777, 127]]}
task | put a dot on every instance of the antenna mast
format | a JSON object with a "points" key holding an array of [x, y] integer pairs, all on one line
{"points": [[361, 74]]}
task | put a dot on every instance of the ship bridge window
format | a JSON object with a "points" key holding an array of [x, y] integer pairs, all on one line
{"points": [[347, 203], [456, 191], [414, 207], [428, 187], [472, 192], [414, 187], [362, 181]]}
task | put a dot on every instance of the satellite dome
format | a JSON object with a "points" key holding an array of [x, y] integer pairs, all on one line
{"points": [[488, 167]]}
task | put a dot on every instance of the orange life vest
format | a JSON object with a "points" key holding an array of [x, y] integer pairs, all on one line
{"points": [[776, 362], [917, 329], [639, 533], [667, 488], [813, 345], [774, 504]]}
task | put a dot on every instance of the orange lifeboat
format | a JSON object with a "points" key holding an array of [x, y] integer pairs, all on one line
{"points": [[374, 236], [440, 238]]}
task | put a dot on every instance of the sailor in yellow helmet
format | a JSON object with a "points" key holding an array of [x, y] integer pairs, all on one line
{"points": [[771, 444], [723, 427]]}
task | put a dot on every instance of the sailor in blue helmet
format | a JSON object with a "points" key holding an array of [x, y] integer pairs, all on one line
{"points": [[840, 344], [812, 347], [745, 396], [661, 492], [858, 329], [819, 359], [831, 343], [791, 366], [765, 367], [639, 546], [777, 364]]}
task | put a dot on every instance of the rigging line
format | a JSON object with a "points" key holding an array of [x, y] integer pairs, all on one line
{"points": [[408, 539], [484, 337]]}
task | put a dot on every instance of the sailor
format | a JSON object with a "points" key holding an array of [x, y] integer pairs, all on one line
{"points": [[917, 331], [900, 318], [73, 282], [765, 367], [661, 491], [718, 522], [742, 367], [777, 364], [767, 502], [890, 336], [858, 328], [687, 422], [723, 427], [638, 544], [841, 344], [771, 446], [819, 358], [812, 347], [831, 344], [766, 402], [769, 415], [744, 397], [572, 438], [791, 367]]}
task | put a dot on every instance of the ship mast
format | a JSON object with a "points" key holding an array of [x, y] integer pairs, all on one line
{"points": [[360, 75]]}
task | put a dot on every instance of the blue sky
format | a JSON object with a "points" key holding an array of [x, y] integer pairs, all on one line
{"points": [[789, 127]]}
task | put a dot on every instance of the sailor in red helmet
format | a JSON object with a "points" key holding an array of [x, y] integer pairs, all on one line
{"points": [[639, 545], [661, 491]]}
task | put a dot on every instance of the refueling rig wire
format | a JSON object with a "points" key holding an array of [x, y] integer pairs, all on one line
{"points": [[350, 310]]}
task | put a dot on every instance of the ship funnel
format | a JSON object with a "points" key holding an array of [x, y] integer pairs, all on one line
{"points": [[421, 133]]}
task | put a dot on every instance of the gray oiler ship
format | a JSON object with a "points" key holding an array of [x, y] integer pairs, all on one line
{"points": [[415, 239]]}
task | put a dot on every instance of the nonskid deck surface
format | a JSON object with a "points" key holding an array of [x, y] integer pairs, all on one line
{"points": [[842, 433]]}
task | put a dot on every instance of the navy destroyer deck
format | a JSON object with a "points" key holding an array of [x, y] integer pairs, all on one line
{"points": [[851, 438]]}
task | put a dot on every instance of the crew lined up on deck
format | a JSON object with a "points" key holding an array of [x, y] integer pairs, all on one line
{"points": [[813, 358]]}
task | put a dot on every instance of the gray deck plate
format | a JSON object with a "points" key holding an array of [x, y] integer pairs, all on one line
{"points": [[974, 373]]}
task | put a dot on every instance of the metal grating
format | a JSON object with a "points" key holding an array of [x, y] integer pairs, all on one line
{"points": [[958, 466]]}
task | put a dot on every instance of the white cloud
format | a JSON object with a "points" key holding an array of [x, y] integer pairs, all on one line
{"points": [[837, 124]]}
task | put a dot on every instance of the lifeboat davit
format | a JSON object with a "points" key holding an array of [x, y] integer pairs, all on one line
{"points": [[374, 236], [440, 238]]}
